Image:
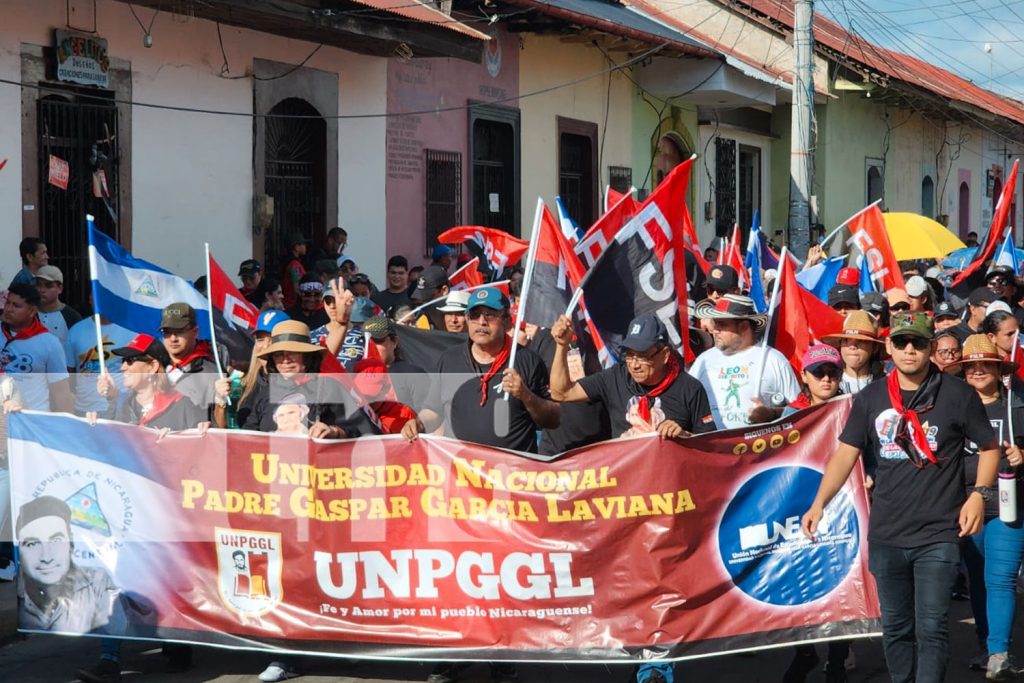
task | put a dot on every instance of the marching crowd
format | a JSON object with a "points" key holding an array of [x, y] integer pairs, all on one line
{"points": [[931, 369]]}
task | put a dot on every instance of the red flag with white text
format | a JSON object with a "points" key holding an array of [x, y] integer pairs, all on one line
{"points": [[868, 234], [224, 295]]}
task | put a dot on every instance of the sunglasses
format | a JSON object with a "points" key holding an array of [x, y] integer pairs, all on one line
{"points": [[998, 281], [901, 306], [306, 290], [490, 316], [168, 332], [359, 279], [822, 372], [919, 343]]}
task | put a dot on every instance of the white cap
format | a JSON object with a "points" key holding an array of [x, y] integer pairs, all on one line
{"points": [[933, 272], [455, 303], [916, 286], [998, 305]]}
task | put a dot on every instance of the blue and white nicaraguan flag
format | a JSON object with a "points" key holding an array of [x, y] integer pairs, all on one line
{"points": [[132, 293]]}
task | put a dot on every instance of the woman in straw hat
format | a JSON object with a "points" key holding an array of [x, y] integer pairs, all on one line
{"points": [[294, 365], [993, 556], [861, 349]]}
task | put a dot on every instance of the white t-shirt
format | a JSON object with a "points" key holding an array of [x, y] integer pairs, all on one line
{"points": [[80, 351], [55, 322], [730, 382], [851, 385], [34, 363]]}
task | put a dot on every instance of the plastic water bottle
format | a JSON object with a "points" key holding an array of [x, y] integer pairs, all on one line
{"points": [[1008, 495]]}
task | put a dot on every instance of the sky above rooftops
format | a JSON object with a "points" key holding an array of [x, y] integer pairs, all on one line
{"points": [[952, 34]]}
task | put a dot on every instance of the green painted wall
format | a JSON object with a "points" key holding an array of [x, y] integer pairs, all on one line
{"points": [[851, 129], [647, 128]]}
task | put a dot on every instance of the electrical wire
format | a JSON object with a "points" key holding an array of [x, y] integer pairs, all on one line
{"points": [[42, 87]]}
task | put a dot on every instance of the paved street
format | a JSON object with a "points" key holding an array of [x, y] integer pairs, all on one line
{"points": [[42, 659]]}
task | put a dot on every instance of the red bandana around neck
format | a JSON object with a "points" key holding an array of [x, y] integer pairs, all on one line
{"points": [[644, 406], [497, 366], [909, 417], [162, 400], [202, 350], [33, 329]]}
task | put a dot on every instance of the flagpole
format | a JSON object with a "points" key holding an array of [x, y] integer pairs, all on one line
{"points": [[442, 298], [1009, 390], [209, 310], [531, 259], [842, 225], [783, 263], [90, 222]]}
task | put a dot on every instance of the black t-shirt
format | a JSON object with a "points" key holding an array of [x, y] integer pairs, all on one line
{"points": [[996, 411], [962, 331], [581, 423], [313, 320], [455, 393], [411, 383], [684, 401], [914, 506], [389, 300]]}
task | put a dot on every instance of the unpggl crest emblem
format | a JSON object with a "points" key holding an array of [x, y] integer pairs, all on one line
{"points": [[249, 567]]}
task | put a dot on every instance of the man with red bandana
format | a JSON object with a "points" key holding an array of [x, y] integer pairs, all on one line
{"points": [[192, 370]]}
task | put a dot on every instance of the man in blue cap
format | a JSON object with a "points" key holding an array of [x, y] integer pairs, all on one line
{"points": [[467, 394], [442, 256]]}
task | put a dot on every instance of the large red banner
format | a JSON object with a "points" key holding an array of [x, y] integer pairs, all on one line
{"points": [[449, 550]]}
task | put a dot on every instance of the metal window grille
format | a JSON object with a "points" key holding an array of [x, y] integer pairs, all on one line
{"points": [[84, 134], [620, 178], [444, 193]]}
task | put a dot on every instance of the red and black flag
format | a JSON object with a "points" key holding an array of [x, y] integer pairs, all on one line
{"points": [[496, 249], [643, 269]]}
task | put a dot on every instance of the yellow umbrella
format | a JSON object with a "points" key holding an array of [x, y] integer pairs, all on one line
{"points": [[913, 236]]}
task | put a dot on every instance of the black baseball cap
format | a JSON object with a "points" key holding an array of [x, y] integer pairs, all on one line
{"points": [[644, 332], [946, 310], [843, 294], [249, 267], [723, 278], [432, 278], [981, 296]]}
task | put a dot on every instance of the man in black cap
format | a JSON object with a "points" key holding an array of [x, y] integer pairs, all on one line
{"points": [[844, 298], [877, 305], [721, 280], [649, 391], [1003, 283], [946, 316], [432, 284], [192, 370], [251, 273], [470, 379], [977, 304]]}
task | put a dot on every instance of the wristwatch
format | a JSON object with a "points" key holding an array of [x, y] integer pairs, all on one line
{"points": [[984, 491]]}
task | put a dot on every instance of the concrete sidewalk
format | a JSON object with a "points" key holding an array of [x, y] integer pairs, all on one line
{"points": [[55, 659]]}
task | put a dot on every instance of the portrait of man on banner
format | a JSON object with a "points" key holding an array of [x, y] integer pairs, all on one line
{"points": [[54, 593]]}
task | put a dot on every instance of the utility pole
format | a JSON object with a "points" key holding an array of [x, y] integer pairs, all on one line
{"points": [[801, 168]]}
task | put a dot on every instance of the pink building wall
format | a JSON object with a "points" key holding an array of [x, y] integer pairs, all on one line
{"points": [[431, 85]]}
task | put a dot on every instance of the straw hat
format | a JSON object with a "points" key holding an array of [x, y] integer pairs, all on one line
{"points": [[978, 348], [857, 325], [290, 335]]}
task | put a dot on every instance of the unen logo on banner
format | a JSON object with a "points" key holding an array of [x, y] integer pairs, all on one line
{"points": [[764, 550]]}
